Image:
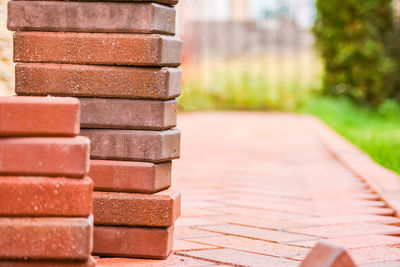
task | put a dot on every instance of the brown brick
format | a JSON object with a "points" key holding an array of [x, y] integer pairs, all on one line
{"points": [[48, 263], [155, 243], [109, 17], [127, 176], [56, 156], [46, 238], [155, 210], [128, 114], [43, 196], [325, 254], [134, 145], [166, 2], [39, 116], [97, 81], [98, 48]]}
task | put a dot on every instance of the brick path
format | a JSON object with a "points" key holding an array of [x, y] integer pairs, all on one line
{"points": [[261, 189]]}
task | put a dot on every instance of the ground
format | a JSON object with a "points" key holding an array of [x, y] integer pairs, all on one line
{"points": [[260, 189]]}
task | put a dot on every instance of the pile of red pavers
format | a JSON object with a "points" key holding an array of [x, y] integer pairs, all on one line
{"points": [[45, 196], [120, 59]]}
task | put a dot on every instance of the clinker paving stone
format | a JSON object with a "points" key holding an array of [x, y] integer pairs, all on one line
{"points": [[88, 48], [128, 209], [106, 17], [134, 145], [91, 262], [46, 238], [166, 2], [58, 156], [97, 81], [325, 254], [44, 196], [127, 176], [142, 242], [128, 114], [39, 116]]}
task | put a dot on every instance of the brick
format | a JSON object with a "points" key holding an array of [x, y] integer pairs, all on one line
{"points": [[98, 48], [155, 210], [126, 176], [58, 156], [256, 233], [128, 114], [46, 238], [166, 2], [141, 242], [91, 262], [107, 17], [39, 116], [43, 196], [325, 254], [239, 258], [152, 146], [173, 260], [97, 81]]}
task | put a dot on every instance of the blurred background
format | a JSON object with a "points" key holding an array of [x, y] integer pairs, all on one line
{"points": [[338, 60]]}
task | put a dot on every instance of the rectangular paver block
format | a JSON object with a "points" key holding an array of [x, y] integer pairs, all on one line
{"points": [[128, 114], [150, 210], [134, 145], [97, 81], [109, 17], [91, 262], [325, 254], [166, 2], [98, 48], [44, 196], [56, 156], [39, 116], [127, 176], [141, 242], [46, 238]]}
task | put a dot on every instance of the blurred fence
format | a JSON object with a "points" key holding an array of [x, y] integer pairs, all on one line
{"points": [[247, 54]]}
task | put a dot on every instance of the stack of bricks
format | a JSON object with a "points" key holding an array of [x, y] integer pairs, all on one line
{"points": [[120, 59], [45, 195]]}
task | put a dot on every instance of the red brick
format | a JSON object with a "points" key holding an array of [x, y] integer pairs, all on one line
{"points": [[57, 156], [132, 145], [42, 196], [89, 48], [166, 2], [39, 116], [141, 242], [127, 176], [128, 114], [97, 81], [238, 258], [90, 17], [325, 254], [46, 238], [47, 263], [155, 210]]}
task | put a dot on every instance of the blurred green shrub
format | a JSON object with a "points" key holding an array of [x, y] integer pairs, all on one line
{"points": [[359, 46]]}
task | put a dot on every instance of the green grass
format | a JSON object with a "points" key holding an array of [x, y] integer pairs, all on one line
{"points": [[375, 131]]}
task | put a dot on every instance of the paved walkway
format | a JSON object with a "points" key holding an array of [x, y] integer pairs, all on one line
{"points": [[261, 189]]}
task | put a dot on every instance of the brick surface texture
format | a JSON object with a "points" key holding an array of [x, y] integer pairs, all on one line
{"points": [[88, 48], [44, 156], [39, 116], [97, 81], [90, 17], [127, 176]]}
